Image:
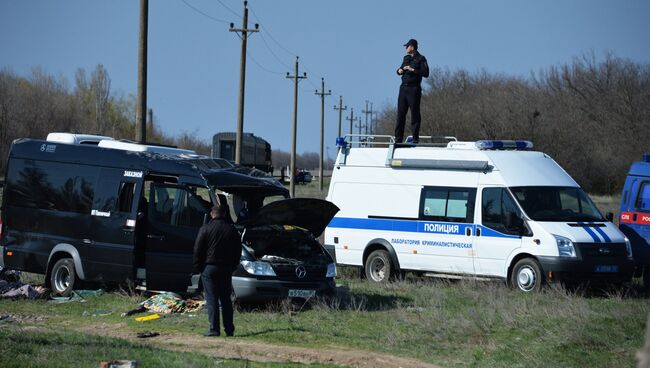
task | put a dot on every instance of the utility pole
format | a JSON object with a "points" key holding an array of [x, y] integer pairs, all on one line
{"points": [[352, 119], [341, 109], [322, 95], [242, 79], [150, 118], [141, 104], [367, 112], [296, 78]]}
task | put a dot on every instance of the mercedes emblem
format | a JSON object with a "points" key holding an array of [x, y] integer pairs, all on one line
{"points": [[301, 272]]}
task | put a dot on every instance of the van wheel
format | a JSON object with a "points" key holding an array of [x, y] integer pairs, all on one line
{"points": [[527, 275], [379, 267], [646, 277], [63, 277]]}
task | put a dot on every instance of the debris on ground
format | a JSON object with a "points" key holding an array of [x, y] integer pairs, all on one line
{"points": [[77, 296], [147, 334], [12, 287], [167, 303], [97, 313], [119, 364], [150, 317]]}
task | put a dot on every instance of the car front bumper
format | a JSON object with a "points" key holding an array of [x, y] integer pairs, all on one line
{"points": [[252, 289], [603, 270]]}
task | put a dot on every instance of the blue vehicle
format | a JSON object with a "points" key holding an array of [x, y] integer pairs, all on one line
{"points": [[634, 216]]}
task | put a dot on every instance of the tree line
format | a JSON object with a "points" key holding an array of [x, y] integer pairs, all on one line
{"points": [[592, 116], [40, 103]]}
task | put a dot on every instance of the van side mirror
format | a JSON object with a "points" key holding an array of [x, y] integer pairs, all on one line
{"points": [[609, 216]]}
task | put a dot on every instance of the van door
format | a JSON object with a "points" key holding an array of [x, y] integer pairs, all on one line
{"points": [[635, 219], [497, 234], [445, 232], [175, 215], [110, 253]]}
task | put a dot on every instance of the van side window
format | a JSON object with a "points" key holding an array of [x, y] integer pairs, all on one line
{"points": [[125, 197], [51, 185], [180, 206], [447, 204], [498, 207], [643, 200]]}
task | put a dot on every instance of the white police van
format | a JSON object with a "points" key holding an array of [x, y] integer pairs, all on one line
{"points": [[490, 209]]}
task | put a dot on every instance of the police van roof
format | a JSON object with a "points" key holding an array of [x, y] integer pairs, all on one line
{"points": [[510, 167]]}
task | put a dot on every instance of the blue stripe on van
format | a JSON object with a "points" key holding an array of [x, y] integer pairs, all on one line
{"points": [[602, 233], [412, 226], [590, 232]]}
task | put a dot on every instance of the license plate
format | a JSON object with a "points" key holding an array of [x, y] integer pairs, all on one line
{"points": [[607, 269], [297, 293]]}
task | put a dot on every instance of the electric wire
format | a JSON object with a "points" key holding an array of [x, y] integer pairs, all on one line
{"points": [[230, 10], [204, 14]]}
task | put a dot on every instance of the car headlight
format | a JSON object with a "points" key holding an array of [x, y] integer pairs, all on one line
{"points": [[258, 268], [565, 246], [628, 247], [331, 270]]}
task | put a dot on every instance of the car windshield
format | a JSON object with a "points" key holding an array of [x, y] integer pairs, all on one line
{"points": [[556, 204]]}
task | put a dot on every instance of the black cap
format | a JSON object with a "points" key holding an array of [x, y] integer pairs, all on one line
{"points": [[412, 42]]}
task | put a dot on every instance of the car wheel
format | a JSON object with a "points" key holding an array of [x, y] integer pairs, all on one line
{"points": [[646, 277], [63, 277], [379, 267], [527, 275]]}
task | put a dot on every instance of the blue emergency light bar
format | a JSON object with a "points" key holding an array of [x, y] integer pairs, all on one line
{"points": [[340, 142], [504, 145], [646, 157]]}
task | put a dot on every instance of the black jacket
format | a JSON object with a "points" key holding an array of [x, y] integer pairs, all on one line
{"points": [[217, 243], [417, 62]]}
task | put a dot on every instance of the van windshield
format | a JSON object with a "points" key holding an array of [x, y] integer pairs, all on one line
{"points": [[556, 204]]}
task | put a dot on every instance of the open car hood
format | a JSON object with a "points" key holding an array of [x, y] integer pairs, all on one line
{"points": [[308, 213]]}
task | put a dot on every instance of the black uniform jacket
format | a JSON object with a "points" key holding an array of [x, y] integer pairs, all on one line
{"points": [[418, 62], [217, 243]]}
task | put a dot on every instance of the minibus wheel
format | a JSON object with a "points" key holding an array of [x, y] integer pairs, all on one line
{"points": [[378, 266], [527, 275], [646, 277], [63, 277]]}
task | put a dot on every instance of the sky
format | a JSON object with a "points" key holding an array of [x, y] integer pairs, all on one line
{"points": [[355, 45]]}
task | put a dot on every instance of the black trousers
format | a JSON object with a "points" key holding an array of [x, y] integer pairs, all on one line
{"points": [[409, 97], [217, 287]]}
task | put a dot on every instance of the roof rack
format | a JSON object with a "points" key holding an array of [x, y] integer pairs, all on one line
{"points": [[378, 140]]}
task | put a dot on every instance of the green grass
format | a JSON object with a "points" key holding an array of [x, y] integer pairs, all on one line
{"points": [[452, 324], [25, 348]]}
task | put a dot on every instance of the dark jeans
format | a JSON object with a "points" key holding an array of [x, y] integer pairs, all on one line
{"points": [[217, 287], [409, 97]]}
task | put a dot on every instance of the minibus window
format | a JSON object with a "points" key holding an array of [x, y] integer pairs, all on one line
{"points": [[556, 204], [643, 200], [498, 208], [178, 206], [125, 198], [447, 204]]}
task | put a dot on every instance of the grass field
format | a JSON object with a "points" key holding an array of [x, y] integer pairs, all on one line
{"points": [[452, 324]]}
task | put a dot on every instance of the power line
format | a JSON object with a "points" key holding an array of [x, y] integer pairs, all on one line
{"points": [[271, 36], [204, 14], [261, 66], [273, 53], [230, 10]]}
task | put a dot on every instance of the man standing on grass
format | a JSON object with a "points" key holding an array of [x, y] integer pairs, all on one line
{"points": [[414, 67], [217, 252]]}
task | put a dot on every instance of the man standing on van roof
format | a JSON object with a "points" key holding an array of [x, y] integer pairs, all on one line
{"points": [[217, 252], [414, 67]]}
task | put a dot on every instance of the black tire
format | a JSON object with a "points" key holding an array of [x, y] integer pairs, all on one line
{"points": [[527, 275], [646, 277], [63, 277], [379, 267]]}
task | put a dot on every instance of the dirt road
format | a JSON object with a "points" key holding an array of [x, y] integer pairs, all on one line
{"points": [[236, 348]]}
